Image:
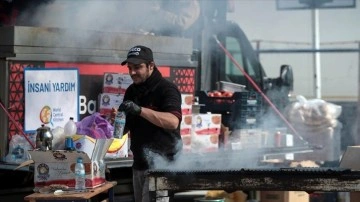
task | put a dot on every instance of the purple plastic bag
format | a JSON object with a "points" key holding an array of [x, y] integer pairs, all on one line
{"points": [[95, 126]]}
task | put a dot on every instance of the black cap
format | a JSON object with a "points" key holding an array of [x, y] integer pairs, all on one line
{"points": [[138, 55]]}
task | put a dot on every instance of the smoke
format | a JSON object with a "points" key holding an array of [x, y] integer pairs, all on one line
{"points": [[139, 16], [83, 15], [207, 161], [95, 25], [80, 18], [262, 142]]}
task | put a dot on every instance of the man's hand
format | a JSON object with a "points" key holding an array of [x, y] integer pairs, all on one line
{"points": [[129, 107], [112, 115]]}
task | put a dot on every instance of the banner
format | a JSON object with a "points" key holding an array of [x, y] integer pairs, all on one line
{"points": [[51, 97]]}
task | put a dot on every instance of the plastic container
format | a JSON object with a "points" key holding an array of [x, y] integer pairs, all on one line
{"points": [[70, 127], [69, 144], [80, 174], [119, 124]]}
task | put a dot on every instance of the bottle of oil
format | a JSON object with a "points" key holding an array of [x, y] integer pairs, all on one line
{"points": [[119, 124]]}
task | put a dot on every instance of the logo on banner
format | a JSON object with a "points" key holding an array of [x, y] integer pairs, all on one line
{"points": [[45, 115]]}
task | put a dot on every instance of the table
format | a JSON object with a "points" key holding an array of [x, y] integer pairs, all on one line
{"points": [[78, 197]]}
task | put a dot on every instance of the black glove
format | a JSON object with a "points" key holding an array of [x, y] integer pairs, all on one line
{"points": [[129, 107]]}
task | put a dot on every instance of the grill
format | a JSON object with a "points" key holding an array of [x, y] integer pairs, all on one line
{"points": [[269, 179]]}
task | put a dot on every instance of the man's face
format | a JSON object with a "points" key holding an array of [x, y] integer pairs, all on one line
{"points": [[140, 72]]}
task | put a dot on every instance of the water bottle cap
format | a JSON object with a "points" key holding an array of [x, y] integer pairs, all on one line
{"points": [[79, 160]]}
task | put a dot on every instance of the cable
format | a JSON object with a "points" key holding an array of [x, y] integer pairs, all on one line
{"points": [[258, 89]]}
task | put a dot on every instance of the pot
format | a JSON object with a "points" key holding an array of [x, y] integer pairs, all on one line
{"points": [[44, 138]]}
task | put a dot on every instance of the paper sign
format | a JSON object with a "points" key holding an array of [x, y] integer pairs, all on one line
{"points": [[51, 97]]}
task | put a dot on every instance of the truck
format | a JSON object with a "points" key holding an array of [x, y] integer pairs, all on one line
{"points": [[219, 52]]}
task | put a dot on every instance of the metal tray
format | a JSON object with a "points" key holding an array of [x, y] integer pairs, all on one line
{"points": [[229, 86]]}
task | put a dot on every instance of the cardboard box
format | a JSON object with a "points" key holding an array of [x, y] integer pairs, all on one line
{"points": [[118, 148], [205, 143], [203, 124], [186, 139], [205, 132], [185, 125], [186, 104], [107, 101], [354, 196], [284, 196], [248, 138], [116, 83], [57, 167]]}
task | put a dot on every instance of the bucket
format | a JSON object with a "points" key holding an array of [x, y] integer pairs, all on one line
{"points": [[203, 199]]}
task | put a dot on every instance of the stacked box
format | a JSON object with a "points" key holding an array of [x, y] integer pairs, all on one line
{"points": [[247, 138], [186, 104], [205, 132], [116, 83], [186, 140], [114, 87], [185, 125], [185, 132], [107, 101]]}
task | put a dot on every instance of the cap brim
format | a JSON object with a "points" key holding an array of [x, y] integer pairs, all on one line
{"points": [[134, 61]]}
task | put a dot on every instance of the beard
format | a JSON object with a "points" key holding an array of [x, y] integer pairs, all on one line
{"points": [[140, 78]]}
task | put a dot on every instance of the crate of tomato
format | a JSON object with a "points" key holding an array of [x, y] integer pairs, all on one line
{"points": [[216, 101], [224, 102]]}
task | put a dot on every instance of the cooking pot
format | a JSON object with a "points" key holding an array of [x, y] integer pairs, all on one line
{"points": [[44, 138]]}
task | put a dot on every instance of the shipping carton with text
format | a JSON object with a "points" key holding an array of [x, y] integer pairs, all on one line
{"points": [[57, 167]]}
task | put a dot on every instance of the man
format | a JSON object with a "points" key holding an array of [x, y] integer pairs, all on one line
{"points": [[153, 114]]}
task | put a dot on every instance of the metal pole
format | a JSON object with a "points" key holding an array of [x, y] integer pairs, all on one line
{"points": [[316, 46], [355, 136], [258, 49]]}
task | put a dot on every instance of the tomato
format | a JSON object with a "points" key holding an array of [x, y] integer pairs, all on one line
{"points": [[228, 94], [210, 94], [217, 94]]}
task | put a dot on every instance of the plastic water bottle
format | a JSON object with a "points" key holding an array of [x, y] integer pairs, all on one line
{"points": [[119, 124], [79, 174], [70, 127]]}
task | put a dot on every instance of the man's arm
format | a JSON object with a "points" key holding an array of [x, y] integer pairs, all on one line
{"points": [[165, 120]]}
